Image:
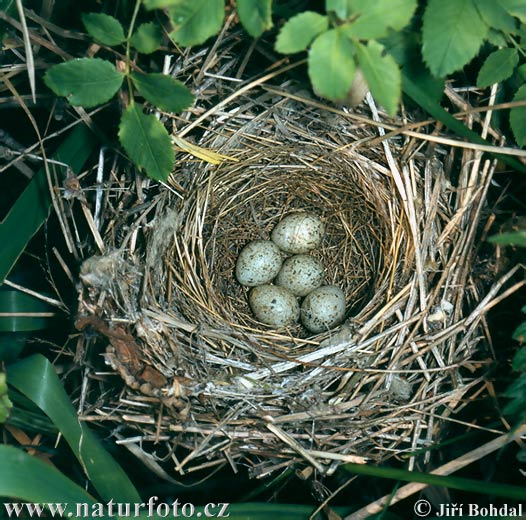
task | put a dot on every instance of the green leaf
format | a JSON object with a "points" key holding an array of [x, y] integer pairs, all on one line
{"points": [[331, 65], [196, 20], [341, 8], [84, 81], [495, 16], [160, 4], [36, 378], [521, 72], [147, 143], [32, 208], [519, 360], [147, 38], [255, 16], [518, 119], [453, 32], [515, 8], [21, 306], [404, 46], [297, 34], [23, 477], [521, 456], [103, 28], [497, 67], [382, 74], [11, 345], [515, 409], [513, 238], [496, 38], [374, 19], [163, 91], [517, 389]]}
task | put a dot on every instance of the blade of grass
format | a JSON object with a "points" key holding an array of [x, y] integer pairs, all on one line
{"points": [[464, 484], [26, 420], [421, 98], [30, 62], [35, 377], [32, 208], [11, 344], [446, 469], [27, 478], [20, 312]]}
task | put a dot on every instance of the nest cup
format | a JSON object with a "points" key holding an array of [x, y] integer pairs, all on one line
{"points": [[243, 202], [205, 378]]}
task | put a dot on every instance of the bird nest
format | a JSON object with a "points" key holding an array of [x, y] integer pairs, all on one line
{"points": [[202, 376]]}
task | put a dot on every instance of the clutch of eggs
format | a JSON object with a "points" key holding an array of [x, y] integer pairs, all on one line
{"points": [[261, 261]]}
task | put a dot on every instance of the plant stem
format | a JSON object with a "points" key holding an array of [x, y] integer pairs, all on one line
{"points": [[516, 45], [128, 47]]}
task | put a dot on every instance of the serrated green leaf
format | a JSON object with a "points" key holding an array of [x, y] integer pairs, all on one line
{"points": [[496, 38], [495, 16], [513, 238], [518, 119], [374, 19], [84, 81], [453, 32], [404, 46], [515, 8], [103, 28], [331, 65], [299, 31], [381, 73], [255, 16], [341, 8], [195, 21], [519, 360], [147, 38], [163, 91], [147, 143], [497, 67]]}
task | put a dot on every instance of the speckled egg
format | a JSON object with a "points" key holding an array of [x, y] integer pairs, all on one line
{"points": [[298, 233], [258, 263], [300, 274], [274, 305], [323, 308]]}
